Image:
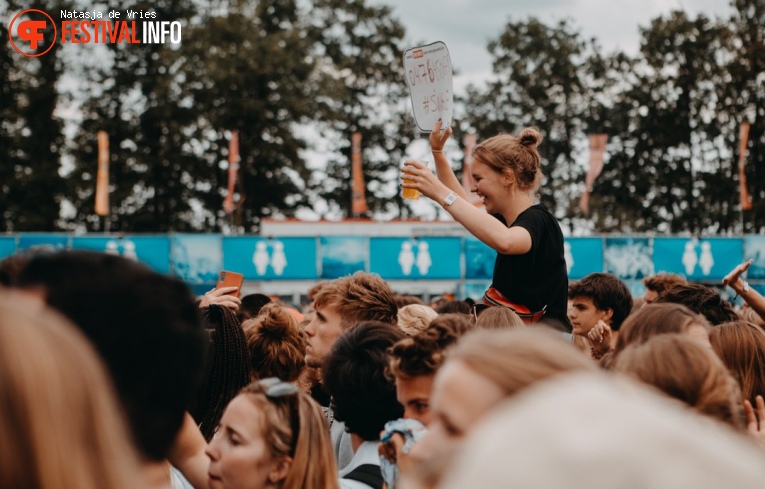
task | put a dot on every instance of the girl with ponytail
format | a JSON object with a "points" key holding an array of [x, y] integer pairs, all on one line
{"points": [[530, 272]]}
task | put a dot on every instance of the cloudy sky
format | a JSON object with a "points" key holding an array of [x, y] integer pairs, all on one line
{"points": [[466, 26]]}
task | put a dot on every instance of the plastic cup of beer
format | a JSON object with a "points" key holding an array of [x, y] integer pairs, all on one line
{"points": [[410, 193]]}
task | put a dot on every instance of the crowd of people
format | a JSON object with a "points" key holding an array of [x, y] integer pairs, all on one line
{"points": [[113, 376]]}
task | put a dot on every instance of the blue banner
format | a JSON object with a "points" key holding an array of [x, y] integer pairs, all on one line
{"points": [[343, 255], [7, 247], [583, 256], [479, 260], [637, 288], [43, 242], [153, 251], [754, 249], [475, 290], [196, 258], [628, 258], [697, 259], [267, 259], [422, 258]]}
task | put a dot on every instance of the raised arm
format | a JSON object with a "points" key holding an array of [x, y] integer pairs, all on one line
{"points": [[742, 288], [444, 170], [508, 241]]}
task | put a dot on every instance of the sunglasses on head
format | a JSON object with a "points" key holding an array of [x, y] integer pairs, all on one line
{"points": [[277, 390], [478, 308]]}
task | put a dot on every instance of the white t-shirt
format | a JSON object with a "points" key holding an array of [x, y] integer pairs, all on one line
{"points": [[366, 454]]}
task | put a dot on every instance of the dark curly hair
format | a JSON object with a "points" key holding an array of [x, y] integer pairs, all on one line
{"points": [[423, 353]]}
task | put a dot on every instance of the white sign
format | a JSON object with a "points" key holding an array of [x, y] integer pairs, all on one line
{"points": [[428, 72]]}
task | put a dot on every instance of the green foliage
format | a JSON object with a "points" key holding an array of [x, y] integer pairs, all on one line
{"points": [[295, 77]]}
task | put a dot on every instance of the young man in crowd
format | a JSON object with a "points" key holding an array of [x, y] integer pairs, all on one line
{"points": [[599, 304], [338, 306], [362, 396]]}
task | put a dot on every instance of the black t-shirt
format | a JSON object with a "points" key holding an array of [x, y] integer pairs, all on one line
{"points": [[539, 277]]}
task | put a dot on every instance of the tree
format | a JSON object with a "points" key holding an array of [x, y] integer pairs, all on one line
{"points": [[361, 88], [664, 159], [539, 82], [136, 98], [742, 97], [31, 139]]}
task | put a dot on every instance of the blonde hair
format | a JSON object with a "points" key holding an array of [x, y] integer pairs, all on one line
{"points": [[516, 358], [683, 368], [60, 422], [313, 462], [516, 156], [415, 318], [498, 318]]}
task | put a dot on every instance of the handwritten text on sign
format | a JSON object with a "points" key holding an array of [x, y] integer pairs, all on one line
{"points": [[429, 77]]}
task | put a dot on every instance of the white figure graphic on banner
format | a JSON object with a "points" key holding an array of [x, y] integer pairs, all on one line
{"points": [[260, 258], [689, 257], [278, 258], [706, 260], [112, 248], [406, 258], [128, 250], [423, 258], [568, 256]]}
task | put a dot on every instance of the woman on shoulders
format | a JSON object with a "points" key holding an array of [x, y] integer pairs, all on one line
{"points": [[530, 269]]}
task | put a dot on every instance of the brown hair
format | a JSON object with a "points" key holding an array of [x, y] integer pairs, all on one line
{"points": [[516, 358], [702, 300], [606, 292], [498, 318], [60, 422], [516, 156], [688, 371], [741, 347], [359, 297], [313, 462], [414, 318], [655, 319], [276, 344], [424, 353], [663, 281]]}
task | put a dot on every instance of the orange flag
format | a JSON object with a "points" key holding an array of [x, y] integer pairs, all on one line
{"points": [[597, 149], [102, 178], [359, 203], [233, 171], [743, 195]]}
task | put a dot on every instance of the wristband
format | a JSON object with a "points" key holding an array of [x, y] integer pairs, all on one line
{"points": [[450, 199], [436, 151]]}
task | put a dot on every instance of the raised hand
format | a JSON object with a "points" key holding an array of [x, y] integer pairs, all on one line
{"points": [[438, 137], [221, 297], [736, 273]]}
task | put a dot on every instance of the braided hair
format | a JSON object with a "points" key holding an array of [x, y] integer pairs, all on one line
{"points": [[227, 368]]}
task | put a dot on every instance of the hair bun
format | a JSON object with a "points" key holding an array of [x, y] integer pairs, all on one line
{"points": [[530, 137]]}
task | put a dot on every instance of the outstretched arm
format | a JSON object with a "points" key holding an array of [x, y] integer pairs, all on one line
{"points": [[742, 288], [508, 241]]}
